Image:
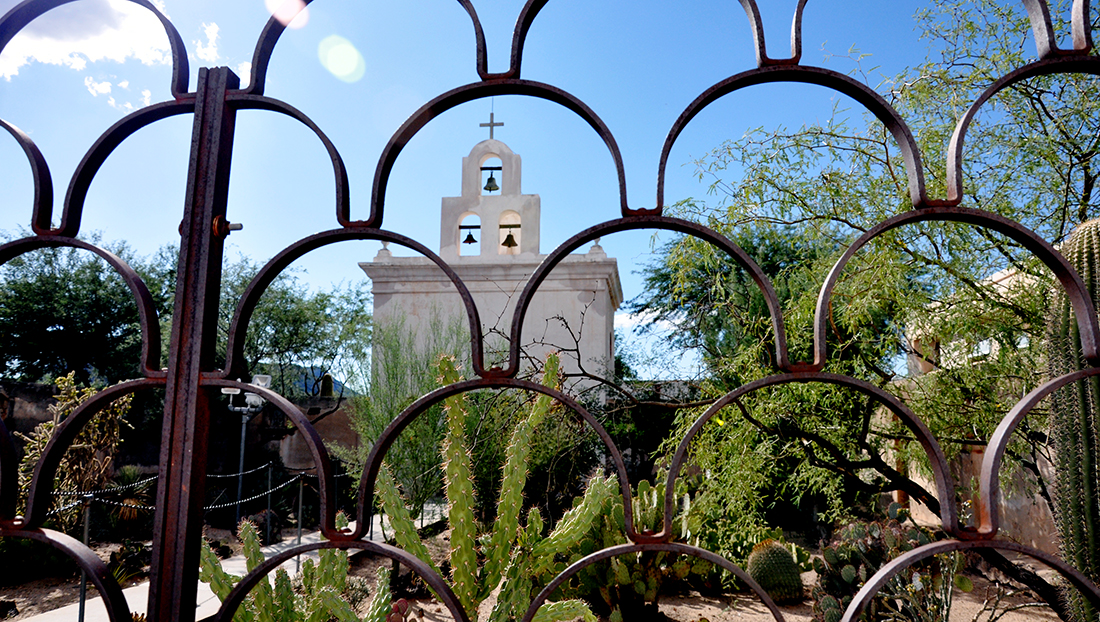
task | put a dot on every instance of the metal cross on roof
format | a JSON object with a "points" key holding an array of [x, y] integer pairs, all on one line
{"points": [[491, 124]]}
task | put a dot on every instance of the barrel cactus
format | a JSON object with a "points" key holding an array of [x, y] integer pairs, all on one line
{"points": [[1075, 424], [772, 566]]}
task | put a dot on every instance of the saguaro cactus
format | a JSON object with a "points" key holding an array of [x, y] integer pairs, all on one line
{"points": [[1075, 424]]}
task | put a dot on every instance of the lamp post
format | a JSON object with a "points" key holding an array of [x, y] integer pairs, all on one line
{"points": [[253, 404]]}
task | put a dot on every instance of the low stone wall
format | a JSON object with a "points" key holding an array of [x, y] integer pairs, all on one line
{"points": [[24, 405], [332, 422], [1025, 516]]}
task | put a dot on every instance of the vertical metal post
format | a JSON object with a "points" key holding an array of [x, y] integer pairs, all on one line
{"points": [[298, 559], [240, 469], [177, 527], [84, 575], [267, 518]]}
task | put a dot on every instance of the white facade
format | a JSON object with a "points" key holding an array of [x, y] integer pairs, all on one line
{"points": [[573, 310]]}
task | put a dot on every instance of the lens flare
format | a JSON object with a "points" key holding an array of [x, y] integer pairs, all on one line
{"points": [[340, 57], [290, 13]]}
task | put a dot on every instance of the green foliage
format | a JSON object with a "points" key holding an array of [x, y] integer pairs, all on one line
{"points": [[402, 370], [66, 310], [773, 568], [795, 199], [86, 464], [511, 556], [296, 335], [1075, 425], [325, 591]]}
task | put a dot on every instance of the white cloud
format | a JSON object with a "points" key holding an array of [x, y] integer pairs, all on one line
{"points": [[160, 7], [632, 321], [146, 97], [76, 34], [97, 88], [208, 51], [244, 72], [125, 84]]}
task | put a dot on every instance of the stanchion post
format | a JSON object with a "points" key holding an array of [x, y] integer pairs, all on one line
{"points": [[298, 559], [267, 518], [240, 468], [83, 575]]}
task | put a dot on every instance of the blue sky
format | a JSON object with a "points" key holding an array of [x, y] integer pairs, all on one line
{"points": [[636, 64]]}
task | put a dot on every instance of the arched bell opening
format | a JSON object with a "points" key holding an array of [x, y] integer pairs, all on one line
{"points": [[470, 236], [511, 233], [492, 176]]}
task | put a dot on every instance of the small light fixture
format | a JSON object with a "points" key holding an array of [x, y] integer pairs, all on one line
{"points": [[491, 185], [509, 242]]}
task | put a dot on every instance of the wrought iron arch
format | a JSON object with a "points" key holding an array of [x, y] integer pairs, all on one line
{"points": [[191, 378]]}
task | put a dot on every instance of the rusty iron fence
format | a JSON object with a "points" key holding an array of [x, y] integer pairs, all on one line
{"points": [[192, 381]]}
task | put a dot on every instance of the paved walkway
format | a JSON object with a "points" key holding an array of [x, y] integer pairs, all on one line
{"points": [[138, 596]]}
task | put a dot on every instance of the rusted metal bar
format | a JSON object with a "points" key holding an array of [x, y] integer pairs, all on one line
{"points": [[192, 379], [177, 528]]}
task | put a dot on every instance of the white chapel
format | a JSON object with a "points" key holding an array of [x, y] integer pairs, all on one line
{"points": [[490, 236]]}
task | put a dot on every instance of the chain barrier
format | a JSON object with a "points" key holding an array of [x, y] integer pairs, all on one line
{"points": [[248, 472], [64, 508], [80, 493], [149, 507], [254, 497], [337, 476], [122, 504], [147, 480]]}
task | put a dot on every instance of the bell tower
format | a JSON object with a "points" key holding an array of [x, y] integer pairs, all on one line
{"points": [[490, 224], [490, 237]]}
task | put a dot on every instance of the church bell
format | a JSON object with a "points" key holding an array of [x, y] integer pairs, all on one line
{"points": [[491, 185]]}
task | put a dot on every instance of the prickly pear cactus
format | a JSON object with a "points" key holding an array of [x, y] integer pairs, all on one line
{"points": [[772, 566], [629, 586], [1075, 425], [855, 554]]}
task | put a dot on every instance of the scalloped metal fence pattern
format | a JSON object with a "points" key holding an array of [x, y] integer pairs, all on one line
{"points": [[191, 380]]}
